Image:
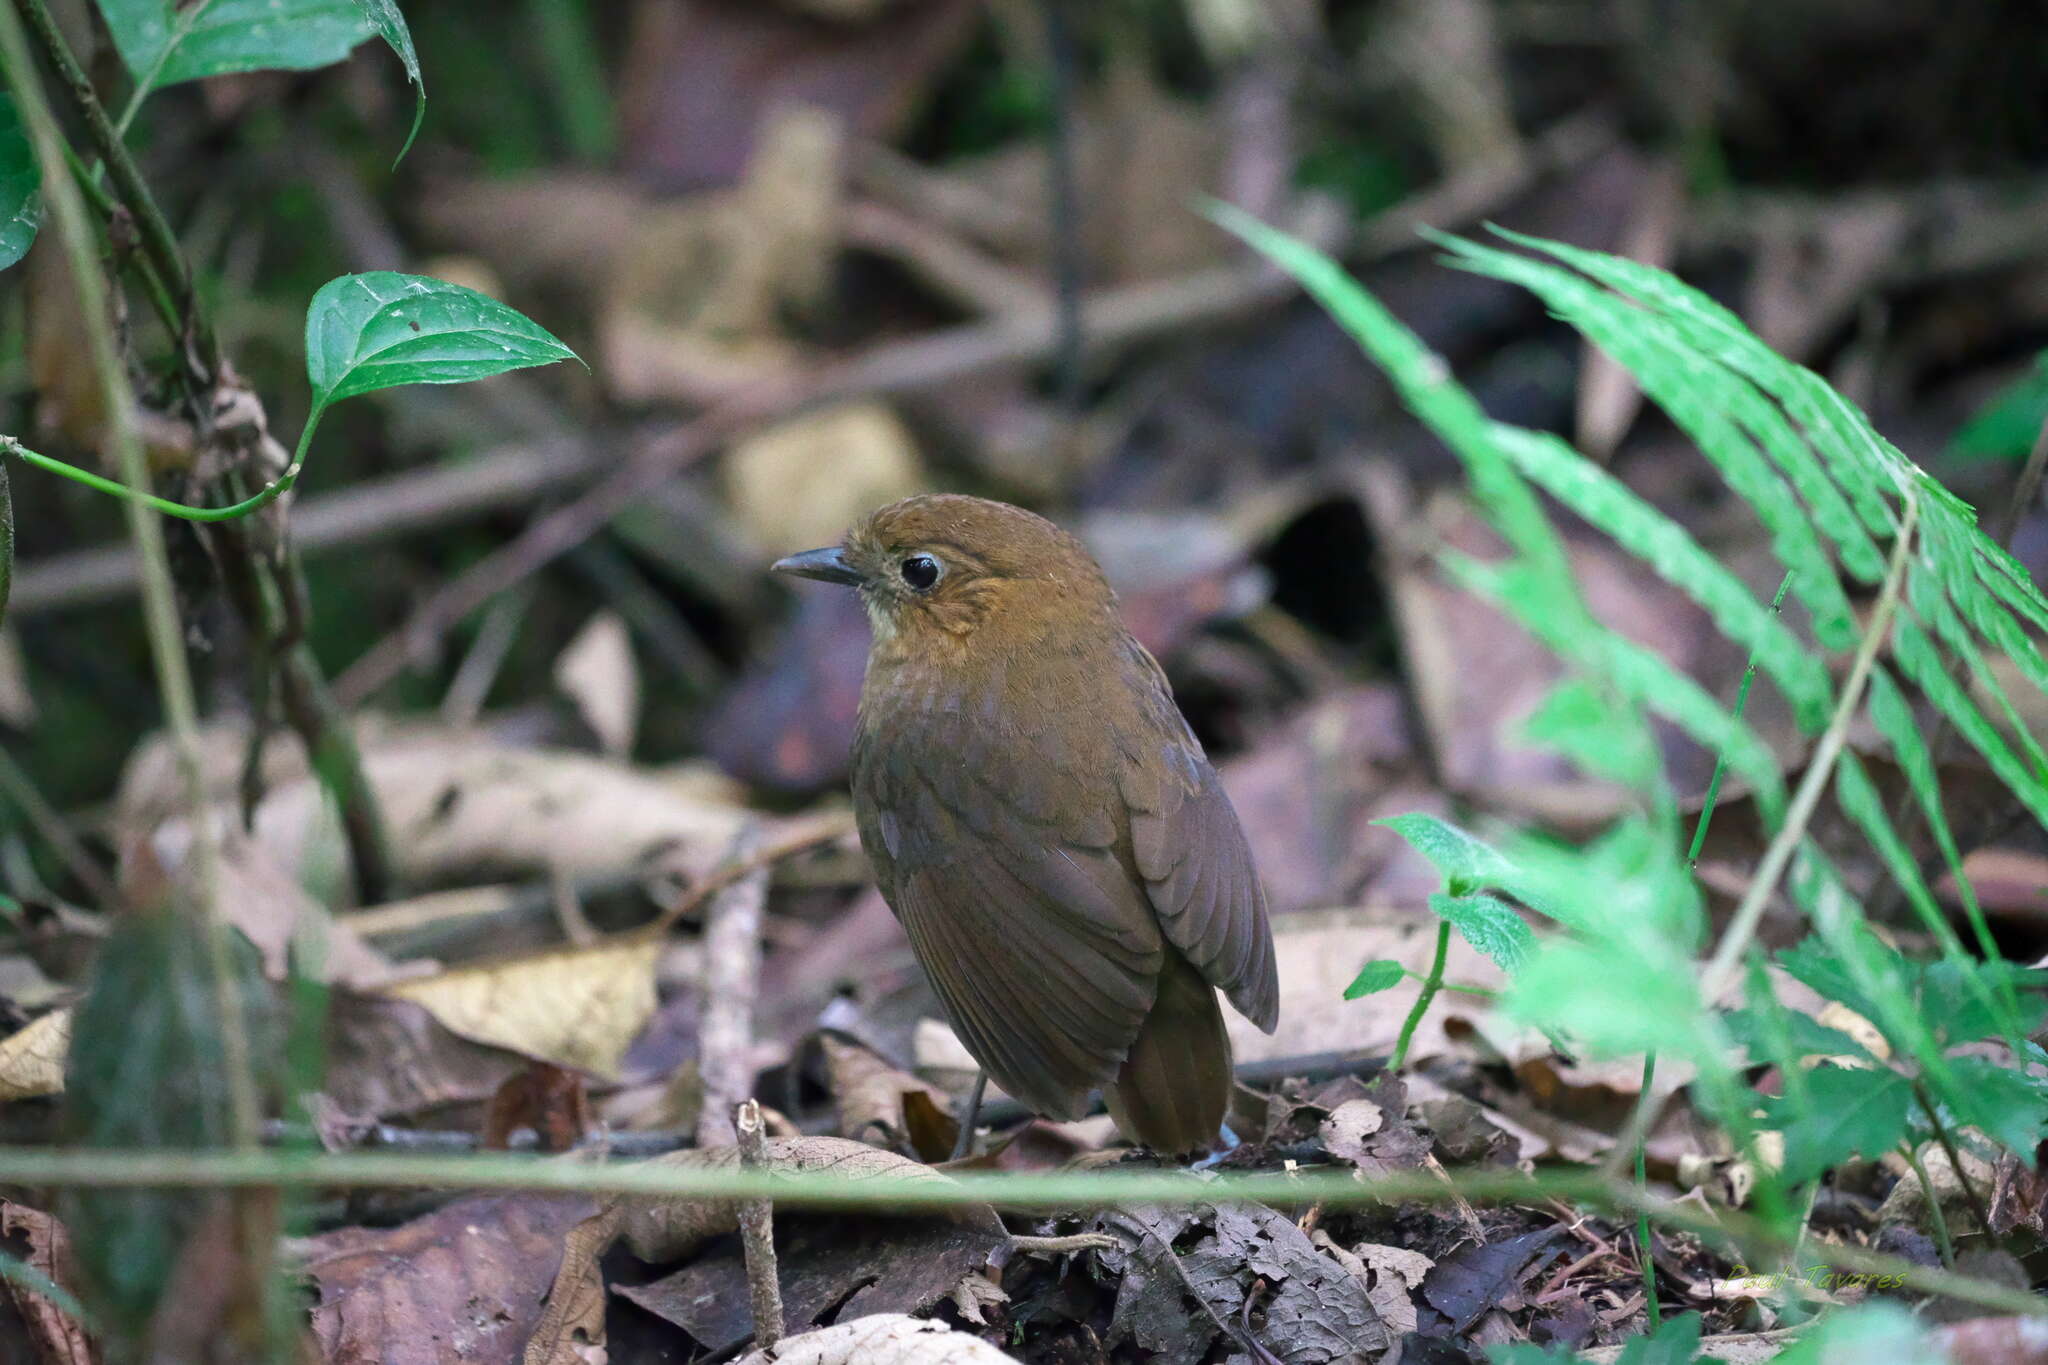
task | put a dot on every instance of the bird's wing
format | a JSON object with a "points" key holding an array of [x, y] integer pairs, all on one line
{"points": [[996, 850], [1192, 853]]}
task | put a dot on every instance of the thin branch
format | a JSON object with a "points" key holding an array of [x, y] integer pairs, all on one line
{"points": [[158, 241], [2026, 490], [1727, 959]]}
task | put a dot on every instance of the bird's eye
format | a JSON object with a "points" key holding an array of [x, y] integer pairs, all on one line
{"points": [[920, 572]]}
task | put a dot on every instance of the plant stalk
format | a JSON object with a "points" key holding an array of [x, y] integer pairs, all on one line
{"points": [[1430, 986], [159, 601]]}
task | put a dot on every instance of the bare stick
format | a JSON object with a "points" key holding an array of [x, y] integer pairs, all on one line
{"points": [[757, 1231], [732, 978]]}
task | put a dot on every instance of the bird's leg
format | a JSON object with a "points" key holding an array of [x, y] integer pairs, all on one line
{"points": [[964, 1144]]}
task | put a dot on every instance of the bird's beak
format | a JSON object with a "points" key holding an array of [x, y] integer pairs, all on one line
{"points": [[827, 566]]}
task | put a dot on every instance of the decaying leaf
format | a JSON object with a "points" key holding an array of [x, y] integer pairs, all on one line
{"points": [[832, 1269], [1374, 1133], [290, 930], [1315, 1311], [1389, 1274], [40, 1243], [391, 1058], [870, 1094], [1473, 1279], [667, 1230], [663, 1230], [597, 672], [463, 1283], [574, 1006], [884, 1339], [32, 1058]]}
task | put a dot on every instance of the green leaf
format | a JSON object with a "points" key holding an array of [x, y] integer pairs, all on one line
{"points": [[384, 16], [1584, 725], [2005, 427], [1376, 976], [21, 180], [1490, 926], [1467, 863], [163, 43], [2004, 1101], [1612, 1000], [1807, 1037], [383, 329], [1849, 1111]]}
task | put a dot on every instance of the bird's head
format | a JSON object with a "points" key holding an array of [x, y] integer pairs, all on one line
{"points": [[949, 564]]}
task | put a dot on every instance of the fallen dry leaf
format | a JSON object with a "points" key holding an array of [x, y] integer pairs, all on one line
{"points": [[32, 1058], [464, 1283], [884, 1339], [577, 1007], [1388, 1274], [831, 1270], [667, 1230], [597, 672], [391, 1058], [871, 1094], [461, 808], [38, 1241], [1315, 1311]]}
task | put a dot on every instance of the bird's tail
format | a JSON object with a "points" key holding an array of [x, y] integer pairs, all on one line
{"points": [[1174, 1087]]}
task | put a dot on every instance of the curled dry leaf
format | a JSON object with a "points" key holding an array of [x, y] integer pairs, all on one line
{"points": [[32, 1058], [870, 1094], [1388, 1275], [578, 1007], [884, 1339]]}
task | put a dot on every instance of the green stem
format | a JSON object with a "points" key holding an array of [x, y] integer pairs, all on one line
{"points": [[1650, 1305], [1430, 986], [114, 488], [1942, 1240], [138, 1168]]}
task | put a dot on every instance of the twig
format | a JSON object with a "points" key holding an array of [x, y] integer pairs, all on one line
{"points": [[757, 1231], [159, 601], [732, 978], [1060, 1246], [800, 837], [158, 242], [2027, 489]]}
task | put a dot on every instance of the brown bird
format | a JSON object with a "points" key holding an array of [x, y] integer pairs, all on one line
{"points": [[1044, 823]]}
